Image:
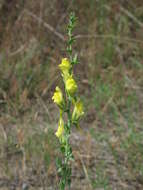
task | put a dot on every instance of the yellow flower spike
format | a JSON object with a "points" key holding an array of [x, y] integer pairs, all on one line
{"points": [[58, 97], [59, 133], [78, 111], [71, 86]]}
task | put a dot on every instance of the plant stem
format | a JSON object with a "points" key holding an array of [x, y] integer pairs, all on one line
{"points": [[68, 156]]}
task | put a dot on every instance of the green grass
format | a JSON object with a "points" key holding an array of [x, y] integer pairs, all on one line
{"points": [[110, 77]]}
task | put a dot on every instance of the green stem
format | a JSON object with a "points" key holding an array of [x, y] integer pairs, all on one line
{"points": [[66, 169]]}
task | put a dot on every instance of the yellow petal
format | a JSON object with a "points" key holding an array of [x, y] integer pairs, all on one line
{"points": [[78, 111], [58, 96], [59, 133], [65, 65], [71, 86]]}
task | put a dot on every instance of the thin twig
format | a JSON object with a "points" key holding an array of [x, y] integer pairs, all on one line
{"points": [[85, 171], [4, 133], [19, 50], [124, 39], [128, 14], [131, 16], [46, 25], [45, 107]]}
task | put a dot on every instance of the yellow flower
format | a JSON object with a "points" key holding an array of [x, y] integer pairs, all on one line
{"points": [[78, 111], [59, 133], [71, 86], [58, 97], [65, 67]]}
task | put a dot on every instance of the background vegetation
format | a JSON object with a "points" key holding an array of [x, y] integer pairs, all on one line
{"points": [[108, 148]]}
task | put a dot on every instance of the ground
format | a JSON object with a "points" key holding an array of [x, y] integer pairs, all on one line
{"points": [[108, 145]]}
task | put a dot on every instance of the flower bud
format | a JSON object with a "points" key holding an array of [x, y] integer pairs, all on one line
{"points": [[78, 111], [59, 133]]}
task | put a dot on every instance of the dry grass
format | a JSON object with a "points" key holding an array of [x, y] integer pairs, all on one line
{"points": [[108, 148]]}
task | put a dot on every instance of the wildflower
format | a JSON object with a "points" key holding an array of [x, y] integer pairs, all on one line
{"points": [[58, 97], [59, 133], [65, 67], [78, 111], [71, 86]]}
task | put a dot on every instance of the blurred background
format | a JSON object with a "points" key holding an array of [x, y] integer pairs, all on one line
{"points": [[108, 149]]}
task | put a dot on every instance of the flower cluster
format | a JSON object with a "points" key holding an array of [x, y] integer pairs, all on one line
{"points": [[70, 108], [71, 91]]}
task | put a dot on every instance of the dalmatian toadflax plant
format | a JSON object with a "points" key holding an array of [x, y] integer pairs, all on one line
{"points": [[70, 104]]}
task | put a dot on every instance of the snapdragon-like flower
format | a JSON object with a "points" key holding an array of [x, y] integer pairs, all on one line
{"points": [[65, 67], [60, 131], [65, 64], [71, 86], [58, 97], [78, 111]]}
